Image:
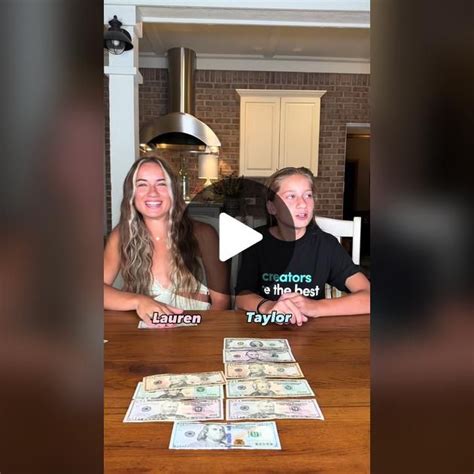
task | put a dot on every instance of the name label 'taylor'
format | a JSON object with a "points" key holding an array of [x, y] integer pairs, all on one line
{"points": [[264, 319]]}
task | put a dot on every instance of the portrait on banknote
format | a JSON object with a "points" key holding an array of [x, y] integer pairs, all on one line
{"points": [[256, 370], [178, 381], [169, 409], [173, 394], [211, 436], [257, 355], [262, 388], [265, 409]]}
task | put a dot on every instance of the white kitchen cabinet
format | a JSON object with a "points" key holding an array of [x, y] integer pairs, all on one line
{"points": [[278, 128]]}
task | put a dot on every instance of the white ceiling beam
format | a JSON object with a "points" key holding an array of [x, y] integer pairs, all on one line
{"points": [[331, 5], [155, 40], [235, 16], [310, 13], [272, 43], [276, 64]]}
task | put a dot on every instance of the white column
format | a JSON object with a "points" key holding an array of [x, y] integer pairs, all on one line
{"points": [[124, 78]]}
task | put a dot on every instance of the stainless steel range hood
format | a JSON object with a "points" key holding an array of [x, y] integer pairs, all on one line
{"points": [[180, 129]]}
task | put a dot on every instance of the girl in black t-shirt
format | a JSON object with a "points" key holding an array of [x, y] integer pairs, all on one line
{"points": [[288, 269]]}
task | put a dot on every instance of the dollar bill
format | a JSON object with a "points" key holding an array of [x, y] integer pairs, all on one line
{"points": [[258, 356], [184, 393], [256, 344], [142, 411], [242, 388], [256, 435], [262, 370], [142, 325], [168, 381], [270, 409]]}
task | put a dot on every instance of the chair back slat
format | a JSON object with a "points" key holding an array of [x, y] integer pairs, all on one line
{"points": [[341, 228]]}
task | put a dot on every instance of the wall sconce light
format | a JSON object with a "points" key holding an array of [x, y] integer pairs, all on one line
{"points": [[208, 168], [116, 39]]}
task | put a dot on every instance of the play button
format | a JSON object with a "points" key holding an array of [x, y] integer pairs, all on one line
{"points": [[234, 237], [234, 207]]}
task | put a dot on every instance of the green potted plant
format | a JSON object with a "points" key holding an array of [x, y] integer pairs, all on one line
{"points": [[230, 188]]}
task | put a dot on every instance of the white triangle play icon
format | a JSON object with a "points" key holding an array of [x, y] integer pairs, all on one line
{"points": [[234, 237]]}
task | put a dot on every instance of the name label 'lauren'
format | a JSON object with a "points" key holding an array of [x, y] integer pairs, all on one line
{"points": [[264, 319], [176, 318]]}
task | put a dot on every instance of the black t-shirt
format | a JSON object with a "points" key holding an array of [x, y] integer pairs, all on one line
{"points": [[304, 265]]}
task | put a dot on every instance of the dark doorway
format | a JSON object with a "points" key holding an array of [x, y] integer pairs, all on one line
{"points": [[357, 186]]}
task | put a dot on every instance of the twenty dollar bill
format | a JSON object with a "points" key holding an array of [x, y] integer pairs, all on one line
{"points": [[268, 388], [184, 393], [170, 381]]}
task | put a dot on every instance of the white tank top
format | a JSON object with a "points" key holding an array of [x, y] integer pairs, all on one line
{"points": [[166, 296]]}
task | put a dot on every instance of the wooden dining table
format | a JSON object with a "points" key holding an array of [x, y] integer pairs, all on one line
{"points": [[333, 353]]}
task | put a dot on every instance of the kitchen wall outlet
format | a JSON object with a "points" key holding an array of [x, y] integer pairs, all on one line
{"points": [[250, 201]]}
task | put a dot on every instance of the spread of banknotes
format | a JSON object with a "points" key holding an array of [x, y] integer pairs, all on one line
{"points": [[267, 409], [168, 381], [263, 435], [268, 388], [262, 380], [255, 370]]}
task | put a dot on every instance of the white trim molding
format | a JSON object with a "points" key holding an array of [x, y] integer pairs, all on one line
{"points": [[309, 13], [331, 5], [124, 71], [257, 63], [279, 93], [236, 16]]}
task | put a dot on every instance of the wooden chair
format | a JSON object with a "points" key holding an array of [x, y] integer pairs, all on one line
{"points": [[341, 228]]}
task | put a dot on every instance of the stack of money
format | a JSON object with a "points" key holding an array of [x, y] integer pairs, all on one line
{"points": [[261, 374], [171, 397], [263, 378]]}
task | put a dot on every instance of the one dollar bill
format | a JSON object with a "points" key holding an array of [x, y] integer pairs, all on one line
{"points": [[184, 393], [171, 381], [256, 344], [142, 411], [268, 388], [270, 409], [261, 370], [263, 435]]}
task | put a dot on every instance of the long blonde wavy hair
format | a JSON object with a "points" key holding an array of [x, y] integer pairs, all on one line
{"points": [[136, 243]]}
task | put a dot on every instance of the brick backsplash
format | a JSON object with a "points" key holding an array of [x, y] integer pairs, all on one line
{"points": [[218, 105]]}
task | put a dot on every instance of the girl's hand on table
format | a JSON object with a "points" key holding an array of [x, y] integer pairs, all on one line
{"points": [[147, 306], [306, 305], [285, 307]]}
